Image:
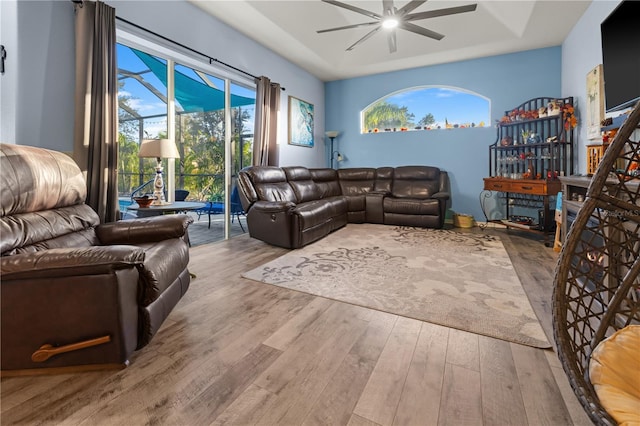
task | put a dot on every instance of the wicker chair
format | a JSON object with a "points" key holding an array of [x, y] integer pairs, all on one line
{"points": [[597, 282]]}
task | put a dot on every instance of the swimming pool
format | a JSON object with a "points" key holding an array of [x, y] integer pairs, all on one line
{"points": [[124, 202]]}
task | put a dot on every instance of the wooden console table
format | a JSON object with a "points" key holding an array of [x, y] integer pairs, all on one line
{"points": [[526, 193]]}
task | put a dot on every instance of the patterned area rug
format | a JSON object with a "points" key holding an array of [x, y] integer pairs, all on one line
{"points": [[464, 281]]}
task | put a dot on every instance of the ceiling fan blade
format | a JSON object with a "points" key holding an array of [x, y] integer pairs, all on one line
{"points": [[419, 30], [440, 12], [391, 37], [354, 9], [387, 7], [410, 6], [346, 27], [366, 37]]}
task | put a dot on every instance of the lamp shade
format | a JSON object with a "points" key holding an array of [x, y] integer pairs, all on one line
{"points": [[332, 133], [158, 148]]}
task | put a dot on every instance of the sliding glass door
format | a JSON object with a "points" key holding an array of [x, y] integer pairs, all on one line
{"points": [[212, 126]]}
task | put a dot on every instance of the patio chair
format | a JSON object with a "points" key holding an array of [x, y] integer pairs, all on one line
{"points": [[236, 207], [217, 207], [181, 194], [211, 208]]}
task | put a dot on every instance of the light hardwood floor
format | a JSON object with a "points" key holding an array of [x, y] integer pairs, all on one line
{"points": [[240, 352]]}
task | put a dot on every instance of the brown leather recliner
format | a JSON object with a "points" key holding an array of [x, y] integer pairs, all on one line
{"points": [[286, 208], [75, 292], [294, 206], [417, 198]]}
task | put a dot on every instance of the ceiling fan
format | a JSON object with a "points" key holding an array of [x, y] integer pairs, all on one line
{"points": [[392, 18]]}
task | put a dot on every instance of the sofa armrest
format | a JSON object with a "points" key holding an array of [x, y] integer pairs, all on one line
{"points": [[144, 230], [68, 262], [272, 222], [273, 206], [441, 195]]}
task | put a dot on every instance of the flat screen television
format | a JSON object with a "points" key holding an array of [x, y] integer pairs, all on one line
{"points": [[621, 55]]}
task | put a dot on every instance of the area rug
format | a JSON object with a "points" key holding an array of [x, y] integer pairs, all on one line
{"points": [[460, 280]]}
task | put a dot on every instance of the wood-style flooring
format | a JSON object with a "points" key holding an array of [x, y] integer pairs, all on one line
{"points": [[240, 352]]}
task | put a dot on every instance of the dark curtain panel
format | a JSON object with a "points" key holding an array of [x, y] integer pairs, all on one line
{"points": [[96, 115], [265, 148]]}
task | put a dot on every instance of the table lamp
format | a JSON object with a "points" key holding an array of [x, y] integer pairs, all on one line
{"points": [[158, 148]]}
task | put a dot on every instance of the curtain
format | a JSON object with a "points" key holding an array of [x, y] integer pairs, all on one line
{"points": [[265, 148], [96, 106]]}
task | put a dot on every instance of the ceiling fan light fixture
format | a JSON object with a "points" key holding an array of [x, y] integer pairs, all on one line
{"points": [[390, 22], [392, 18]]}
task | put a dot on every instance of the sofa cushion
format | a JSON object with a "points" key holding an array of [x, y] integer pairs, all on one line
{"points": [[411, 206], [614, 371], [35, 179], [271, 184], [384, 179], [314, 213], [71, 226], [327, 182], [357, 181], [303, 186], [357, 203], [419, 182]]}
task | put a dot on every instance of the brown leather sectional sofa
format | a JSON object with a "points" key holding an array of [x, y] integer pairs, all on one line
{"points": [[294, 206], [76, 293]]}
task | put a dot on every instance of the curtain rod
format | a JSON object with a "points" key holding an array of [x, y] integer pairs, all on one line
{"points": [[211, 60]]}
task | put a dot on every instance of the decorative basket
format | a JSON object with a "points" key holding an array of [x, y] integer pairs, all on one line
{"points": [[461, 220]]}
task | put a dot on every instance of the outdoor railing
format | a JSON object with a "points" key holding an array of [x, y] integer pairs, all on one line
{"points": [[201, 186]]}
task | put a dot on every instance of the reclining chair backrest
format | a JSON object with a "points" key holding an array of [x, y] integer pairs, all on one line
{"points": [[303, 186], [384, 179], [327, 182], [357, 181], [268, 183], [419, 182], [42, 196]]}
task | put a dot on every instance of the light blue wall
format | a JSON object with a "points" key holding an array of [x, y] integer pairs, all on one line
{"points": [[581, 52], [8, 80], [38, 87], [187, 24], [39, 78], [506, 80]]}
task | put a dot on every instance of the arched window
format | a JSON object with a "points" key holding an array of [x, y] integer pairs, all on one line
{"points": [[426, 108]]}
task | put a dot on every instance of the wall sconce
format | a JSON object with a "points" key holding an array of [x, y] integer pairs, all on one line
{"points": [[337, 156], [332, 134], [158, 148]]}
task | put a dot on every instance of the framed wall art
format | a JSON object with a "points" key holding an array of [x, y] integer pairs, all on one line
{"points": [[595, 102], [300, 122]]}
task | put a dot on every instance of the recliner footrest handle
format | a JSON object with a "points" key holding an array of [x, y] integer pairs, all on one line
{"points": [[46, 351]]}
